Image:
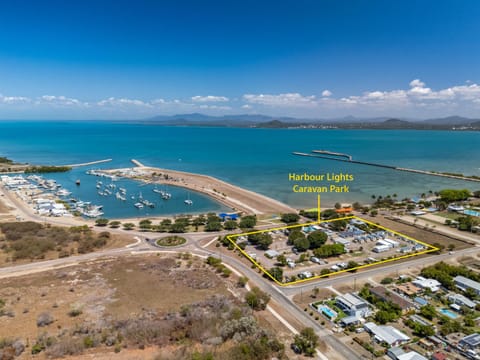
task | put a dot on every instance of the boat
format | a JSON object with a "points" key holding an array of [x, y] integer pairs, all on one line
{"points": [[138, 205], [122, 190], [188, 201], [63, 192], [148, 203], [99, 186], [158, 191], [120, 196], [107, 192], [166, 196], [77, 182]]}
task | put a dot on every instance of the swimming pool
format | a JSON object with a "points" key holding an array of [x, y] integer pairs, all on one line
{"points": [[329, 312], [449, 313], [471, 212]]}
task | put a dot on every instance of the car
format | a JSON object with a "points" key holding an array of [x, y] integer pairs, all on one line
{"points": [[295, 251], [296, 349], [315, 259]]}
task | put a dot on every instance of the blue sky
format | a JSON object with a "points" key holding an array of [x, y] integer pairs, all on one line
{"points": [[307, 58]]}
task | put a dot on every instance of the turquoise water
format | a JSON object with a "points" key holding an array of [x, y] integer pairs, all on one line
{"points": [[257, 159], [471, 212], [449, 313], [328, 312]]}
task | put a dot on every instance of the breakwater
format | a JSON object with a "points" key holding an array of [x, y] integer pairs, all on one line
{"points": [[348, 158]]}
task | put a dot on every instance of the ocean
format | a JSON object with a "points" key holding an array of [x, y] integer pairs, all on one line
{"points": [[256, 159]]}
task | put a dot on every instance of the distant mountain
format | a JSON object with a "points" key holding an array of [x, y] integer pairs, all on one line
{"points": [[348, 122], [451, 120]]}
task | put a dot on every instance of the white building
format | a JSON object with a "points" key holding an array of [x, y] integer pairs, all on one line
{"points": [[464, 283], [387, 334], [424, 283]]}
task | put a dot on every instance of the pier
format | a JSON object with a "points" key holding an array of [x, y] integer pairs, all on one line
{"points": [[344, 158], [89, 163], [137, 163], [326, 152]]}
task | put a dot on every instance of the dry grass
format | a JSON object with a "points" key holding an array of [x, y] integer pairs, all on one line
{"points": [[119, 288], [421, 234]]}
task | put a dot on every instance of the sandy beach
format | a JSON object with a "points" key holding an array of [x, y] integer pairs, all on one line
{"points": [[241, 200]]}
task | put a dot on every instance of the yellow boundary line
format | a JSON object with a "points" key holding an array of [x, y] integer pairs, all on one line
{"points": [[430, 248]]}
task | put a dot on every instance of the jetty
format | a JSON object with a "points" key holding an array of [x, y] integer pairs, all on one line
{"points": [[348, 158], [137, 163], [326, 152], [89, 163]]}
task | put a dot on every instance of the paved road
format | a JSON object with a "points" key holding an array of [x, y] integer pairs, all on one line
{"points": [[367, 273], [281, 295]]}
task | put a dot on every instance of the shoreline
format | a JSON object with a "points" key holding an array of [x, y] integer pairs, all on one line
{"points": [[235, 197]]}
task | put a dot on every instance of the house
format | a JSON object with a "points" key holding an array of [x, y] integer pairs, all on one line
{"points": [[464, 284], [381, 248], [420, 301], [439, 356], [385, 295], [420, 320], [470, 342], [386, 334], [271, 253], [424, 283], [395, 352], [412, 355], [353, 305], [459, 299], [407, 289], [351, 320]]}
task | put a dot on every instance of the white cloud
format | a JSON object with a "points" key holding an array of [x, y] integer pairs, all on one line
{"points": [[59, 101], [287, 100], [14, 99], [111, 101], [214, 107], [246, 106], [209, 98], [326, 93], [416, 83]]}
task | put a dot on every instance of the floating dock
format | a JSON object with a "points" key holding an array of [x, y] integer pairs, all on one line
{"points": [[348, 158]]}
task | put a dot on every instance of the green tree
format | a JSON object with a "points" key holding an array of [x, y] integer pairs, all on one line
{"points": [[302, 244], [101, 222], [338, 205], [277, 273], [257, 299], [307, 341], [329, 250], [317, 238], [282, 260], [290, 218], [115, 224], [145, 224], [248, 222], [213, 226], [451, 195], [177, 228], [265, 241], [230, 225], [295, 234], [128, 226], [428, 312]]}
